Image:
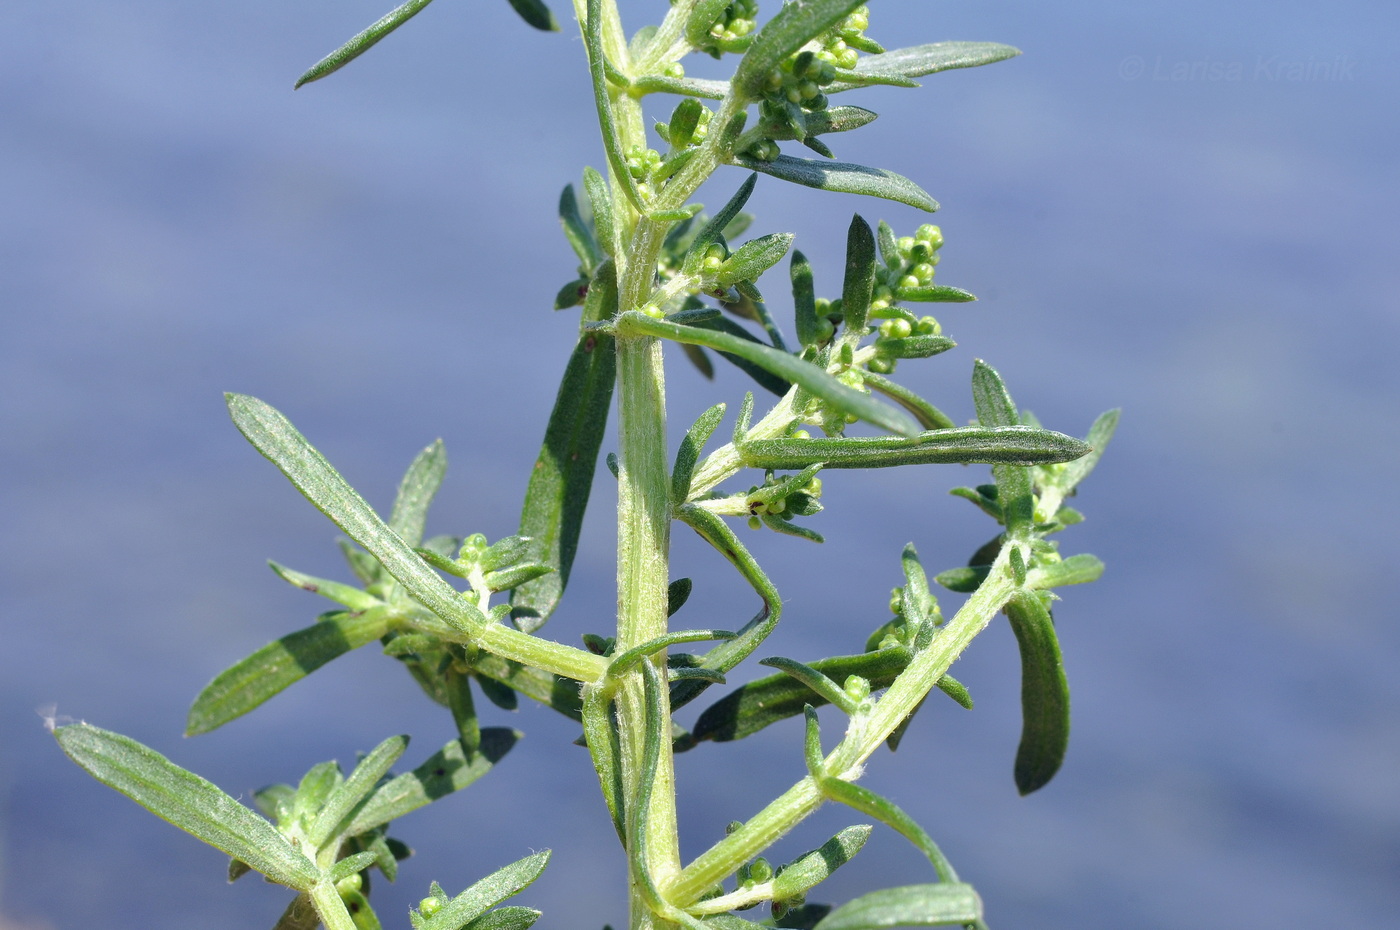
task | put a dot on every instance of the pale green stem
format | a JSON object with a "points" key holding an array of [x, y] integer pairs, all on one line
{"points": [[799, 801], [330, 908]]}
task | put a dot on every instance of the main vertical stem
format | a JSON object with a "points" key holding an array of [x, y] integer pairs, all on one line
{"points": [[643, 539]]}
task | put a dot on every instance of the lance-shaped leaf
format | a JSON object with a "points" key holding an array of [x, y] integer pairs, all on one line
{"points": [[536, 14], [187, 801], [561, 694], [600, 205], [919, 60], [1099, 435], [245, 685], [1023, 445], [794, 369], [444, 772], [688, 87], [346, 796], [996, 409], [274, 436], [362, 42], [843, 178], [819, 122], [804, 299], [937, 905], [612, 143], [702, 16], [811, 868], [562, 479], [688, 453], [790, 28], [712, 231], [576, 230], [891, 815], [1076, 569], [920, 346], [416, 492], [345, 595], [933, 293], [486, 894], [510, 917], [859, 281], [753, 258], [1044, 693]]}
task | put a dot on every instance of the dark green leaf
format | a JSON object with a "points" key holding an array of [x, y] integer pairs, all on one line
{"points": [[562, 694], [487, 893], [891, 815], [612, 143], [420, 484], [299, 915], [1044, 693], [600, 204], [446, 771], [187, 801], [689, 87], [700, 360], [245, 685], [702, 16], [770, 382], [843, 177], [829, 691], [536, 14], [275, 437], [811, 868], [804, 299], [1024, 445], [362, 42], [506, 918], [677, 593], [832, 119], [714, 229], [963, 580], [753, 706], [571, 294], [914, 346], [791, 27], [859, 281], [577, 232], [784, 365], [562, 479], [908, 906]]}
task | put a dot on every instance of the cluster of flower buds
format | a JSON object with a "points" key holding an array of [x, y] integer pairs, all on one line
{"points": [[794, 88], [732, 31], [912, 265]]}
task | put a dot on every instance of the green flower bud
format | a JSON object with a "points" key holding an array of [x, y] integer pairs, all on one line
{"points": [[857, 688], [760, 871], [896, 600], [732, 826], [429, 906], [905, 243], [909, 280], [755, 523], [777, 506], [846, 58], [800, 434], [674, 70], [881, 365], [931, 234], [928, 326], [923, 271], [349, 884], [825, 330]]}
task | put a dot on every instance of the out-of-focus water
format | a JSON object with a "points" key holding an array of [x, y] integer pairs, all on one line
{"points": [[1185, 211]]}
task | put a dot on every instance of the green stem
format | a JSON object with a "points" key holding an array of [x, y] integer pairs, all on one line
{"points": [[330, 908], [803, 798]]}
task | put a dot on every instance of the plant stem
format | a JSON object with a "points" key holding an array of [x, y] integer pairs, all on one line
{"points": [[330, 908], [803, 798]]}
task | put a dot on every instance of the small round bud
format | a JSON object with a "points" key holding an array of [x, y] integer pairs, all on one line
{"points": [[674, 70], [923, 271], [825, 330], [755, 523], [881, 365], [732, 826], [794, 93], [896, 600], [846, 58], [777, 506], [909, 281], [350, 884], [857, 688], [931, 234], [814, 487], [760, 871], [801, 434], [928, 326], [429, 906], [904, 243]]}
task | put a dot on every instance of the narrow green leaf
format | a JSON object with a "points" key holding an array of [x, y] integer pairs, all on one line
{"points": [[299, 915], [787, 366], [536, 14], [921, 346], [557, 495], [891, 815], [274, 436], [600, 204], [601, 737], [576, 230], [791, 27], [804, 299], [829, 691], [355, 789], [487, 893], [350, 865], [700, 360], [996, 409], [657, 728], [1076, 569], [1044, 693], [907, 906], [362, 41], [963, 580], [929, 416], [688, 453], [1099, 435], [446, 771], [687, 87], [343, 594], [919, 60], [561, 694], [714, 229], [460, 702], [702, 16], [859, 281], [753, 706], [820, 122], [505, 918], [811, 868], [612, 143], [1024, 445], [770, 382], [844, 178], [245, 685], [420, 484], [730, 653], [933, 293], [187, 801], [753, 258], [677, 593]]}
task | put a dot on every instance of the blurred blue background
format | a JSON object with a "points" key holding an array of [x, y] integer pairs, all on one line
{"points": [[1185, 210]]}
